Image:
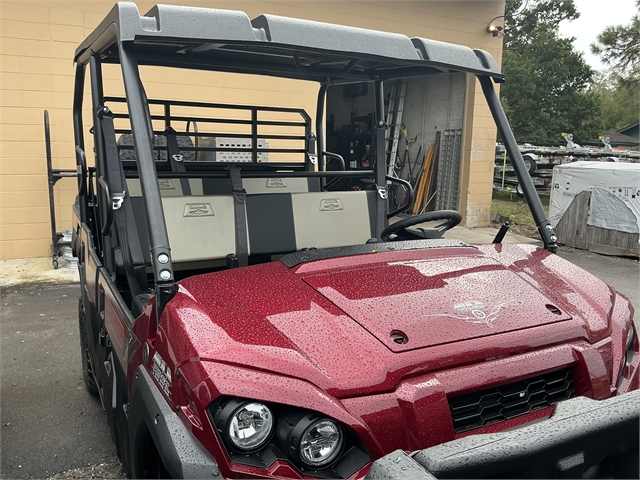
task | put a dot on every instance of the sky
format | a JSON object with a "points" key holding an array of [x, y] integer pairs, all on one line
{"points": [[595, 16]]}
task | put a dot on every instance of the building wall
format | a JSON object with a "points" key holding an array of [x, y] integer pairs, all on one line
{"points": [[37, 43]]}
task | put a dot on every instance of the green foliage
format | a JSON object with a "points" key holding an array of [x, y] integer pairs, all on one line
{"points": [[619, 47], [619, 88], [619, 100], [509, 205], [546, 89]]}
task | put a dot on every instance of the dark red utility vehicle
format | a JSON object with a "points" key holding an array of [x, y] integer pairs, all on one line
{"points": [[244, 316]]}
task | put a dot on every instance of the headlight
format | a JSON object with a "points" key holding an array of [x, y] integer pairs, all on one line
{"points": [[250, 426], [245, 425], [258, 434], [321, 443], [629, 346]]}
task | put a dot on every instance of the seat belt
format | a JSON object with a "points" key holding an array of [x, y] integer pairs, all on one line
{"points": [[126, 228], [176, 158], [239, 199]]}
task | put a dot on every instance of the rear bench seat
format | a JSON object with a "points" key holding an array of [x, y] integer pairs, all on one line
{"points": [[202, 227], [285, 223], [171, 187]]}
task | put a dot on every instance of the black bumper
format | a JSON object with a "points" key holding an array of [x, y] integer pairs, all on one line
{"points": [[583, 438]]}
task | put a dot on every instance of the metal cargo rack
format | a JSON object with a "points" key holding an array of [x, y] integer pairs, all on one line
{"points": [[53, 175]]}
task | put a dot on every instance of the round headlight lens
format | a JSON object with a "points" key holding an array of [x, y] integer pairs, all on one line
{"points": [[321, 443], [250, 426], [630, 348]]}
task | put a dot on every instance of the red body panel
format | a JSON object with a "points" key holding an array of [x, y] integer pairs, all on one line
{"points": [[318, 336]]}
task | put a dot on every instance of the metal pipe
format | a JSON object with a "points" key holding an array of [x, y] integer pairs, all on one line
{"points": [[322, 97], [381, 167], [254, 135], [78, 134], [143, 141], [533, 200], [97, 100], [52, 207]]}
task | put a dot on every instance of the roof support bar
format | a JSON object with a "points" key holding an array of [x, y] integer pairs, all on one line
{"points": [[97, 101], [544, 227], [381, 164], [78, 134], [143, 141], [322, 99]]}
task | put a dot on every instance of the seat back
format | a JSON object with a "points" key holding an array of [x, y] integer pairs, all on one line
{"points": [[284, 223], [200, 228], [203, 227]]}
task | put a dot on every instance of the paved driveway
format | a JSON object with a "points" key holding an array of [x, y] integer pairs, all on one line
{"points": [[50, 424]]}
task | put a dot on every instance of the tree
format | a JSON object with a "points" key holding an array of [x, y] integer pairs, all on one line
{"points": [[619, 99], [619, 47], [546, 89], [619, 88]]}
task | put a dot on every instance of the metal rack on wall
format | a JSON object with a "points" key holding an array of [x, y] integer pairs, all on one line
{"points": [[58, 242]]}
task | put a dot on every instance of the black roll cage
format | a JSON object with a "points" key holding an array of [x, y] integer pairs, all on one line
{"points": [[268, 45]]}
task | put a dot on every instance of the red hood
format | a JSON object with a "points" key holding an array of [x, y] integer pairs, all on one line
{"points": [[436, 301], [319, 321]]}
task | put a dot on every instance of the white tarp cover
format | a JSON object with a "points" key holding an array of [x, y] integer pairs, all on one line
{"points": [[615, 193]]}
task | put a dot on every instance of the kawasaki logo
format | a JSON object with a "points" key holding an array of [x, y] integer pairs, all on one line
{"points": [[198, 210], [276, 183], [330, 204]]}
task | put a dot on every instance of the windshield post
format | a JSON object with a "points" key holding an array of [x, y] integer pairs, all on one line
{"points": [[142, 132], [381, 164], [533, 200]]}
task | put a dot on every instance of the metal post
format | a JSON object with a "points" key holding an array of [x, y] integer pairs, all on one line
{"points": [[381, 167], [143, 143], [535, 205], [97, 101], [78, 136], [322, 97], [254, 135], [52, 182]]}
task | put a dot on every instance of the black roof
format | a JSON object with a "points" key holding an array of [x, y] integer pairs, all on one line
{"points": [[227, 40]]}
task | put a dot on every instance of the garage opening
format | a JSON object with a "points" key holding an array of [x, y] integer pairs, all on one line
{"points": [[423, 144]]}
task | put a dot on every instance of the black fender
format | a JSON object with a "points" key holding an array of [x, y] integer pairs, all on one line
{"points": [[183, 456]]}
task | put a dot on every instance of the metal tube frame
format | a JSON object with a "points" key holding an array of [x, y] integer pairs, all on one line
{"points": [[97, 99], [381, 163], [322, 100], [142, 133], [78, 134], [533, 200]]}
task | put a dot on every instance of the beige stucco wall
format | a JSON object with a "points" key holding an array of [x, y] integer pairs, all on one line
{"points": [[38, 39]]}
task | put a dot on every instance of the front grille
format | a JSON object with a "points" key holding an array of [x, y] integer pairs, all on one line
{"points": [[493, 405]]}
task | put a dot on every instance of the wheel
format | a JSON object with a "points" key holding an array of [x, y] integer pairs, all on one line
{"points": [[530, 163], [402, 231], [55, 264], [519, 191], [87, 370]]}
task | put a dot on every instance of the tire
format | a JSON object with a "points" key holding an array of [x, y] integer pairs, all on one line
{"points": [[530, 163], [519, 191], [87, 370]]}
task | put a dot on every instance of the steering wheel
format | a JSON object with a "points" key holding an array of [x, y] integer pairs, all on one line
{"points": [[403, 232]]}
